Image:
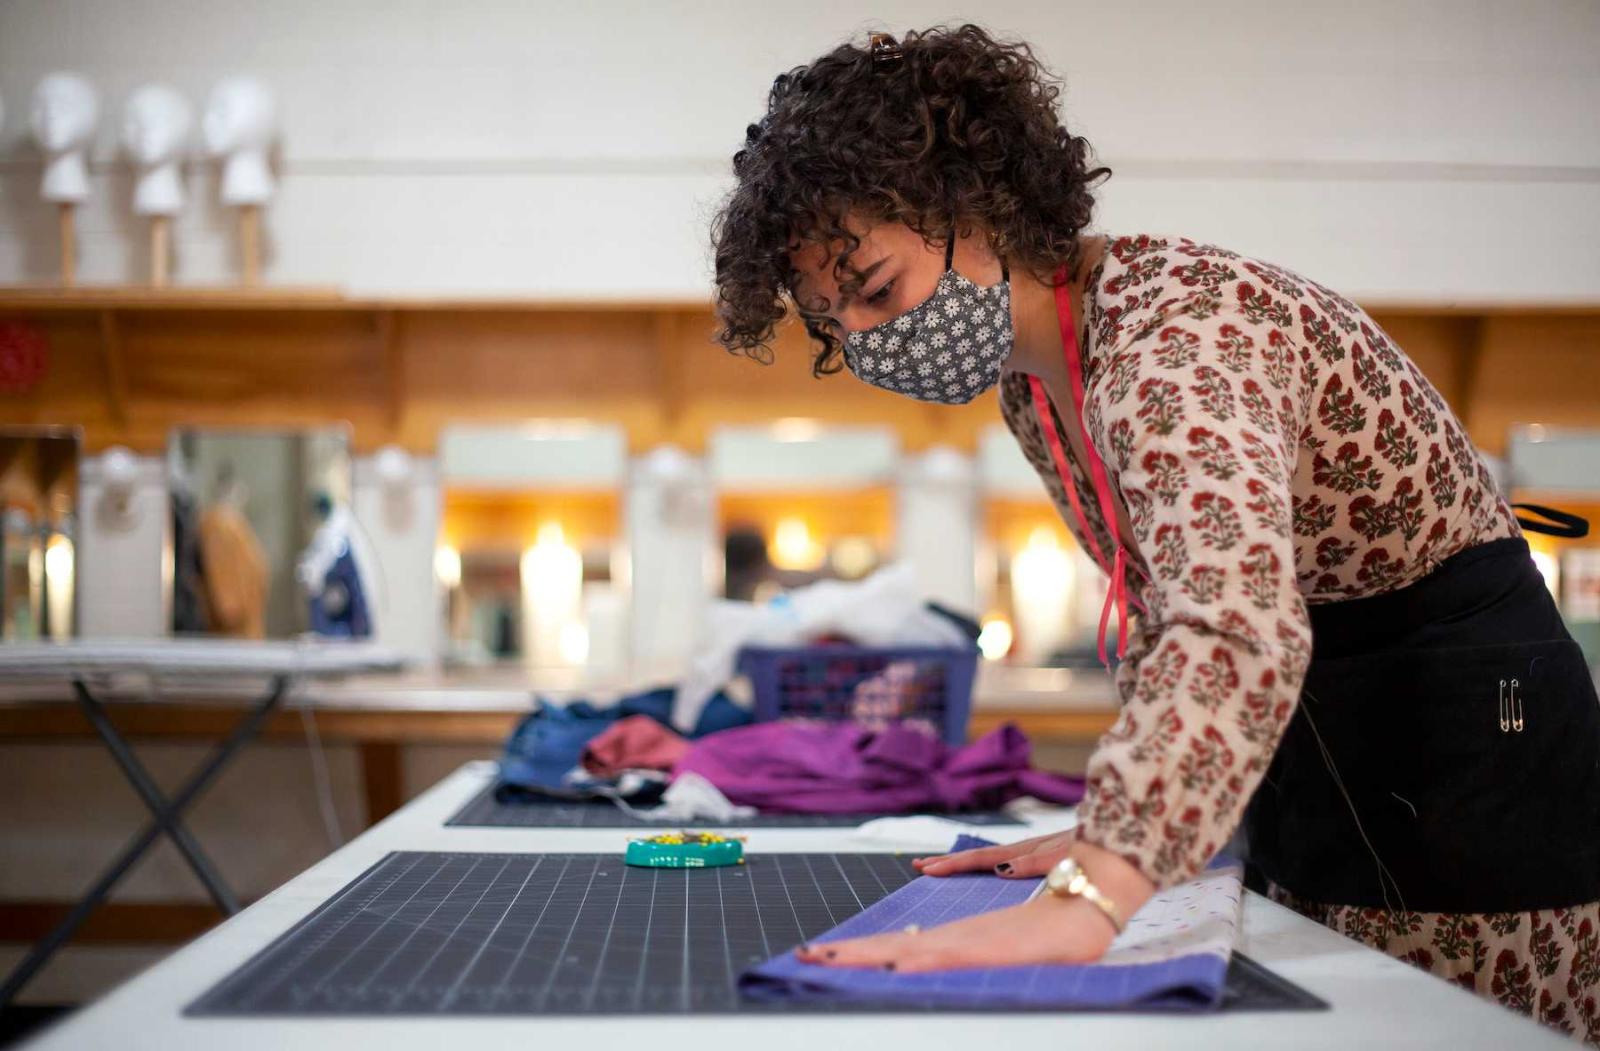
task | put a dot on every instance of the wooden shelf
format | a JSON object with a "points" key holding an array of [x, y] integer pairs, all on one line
{"points": [[1510, 308], [128, 363], [86, 298], [17, 298]]}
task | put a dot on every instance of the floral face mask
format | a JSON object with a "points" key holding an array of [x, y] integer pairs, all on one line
{"points": [[948, 349]]}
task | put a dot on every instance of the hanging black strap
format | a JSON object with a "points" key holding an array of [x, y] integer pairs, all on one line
{"points": [[950, 254], [1567, 525]]}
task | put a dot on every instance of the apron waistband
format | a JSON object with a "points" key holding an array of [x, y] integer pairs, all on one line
{"points": [[1451, 606]]}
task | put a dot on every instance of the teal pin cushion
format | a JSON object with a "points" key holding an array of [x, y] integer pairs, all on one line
{"points": [[685, 850]]}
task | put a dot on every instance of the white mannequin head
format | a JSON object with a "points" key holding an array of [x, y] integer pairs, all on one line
{"points": [[238, 125], [155, 124], [65, 110], [155, 127]]}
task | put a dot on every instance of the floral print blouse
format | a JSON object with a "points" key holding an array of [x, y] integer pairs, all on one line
{"points": [[1273, 448]]}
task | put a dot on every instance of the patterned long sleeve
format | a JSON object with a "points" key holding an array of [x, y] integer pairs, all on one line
{"points": [[1199, 420]]}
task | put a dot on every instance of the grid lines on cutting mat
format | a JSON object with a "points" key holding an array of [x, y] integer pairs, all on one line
{"points": [[458, 933], [485, 811]]}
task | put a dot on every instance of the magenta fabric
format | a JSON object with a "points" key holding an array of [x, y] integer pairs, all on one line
{"points": [[845, 768]]}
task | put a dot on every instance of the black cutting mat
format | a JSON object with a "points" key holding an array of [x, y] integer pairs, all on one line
{"points": [[1251, 987], [484, 811], [524, 934]]}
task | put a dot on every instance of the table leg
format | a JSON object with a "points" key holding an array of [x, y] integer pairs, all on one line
{"points": [[150, 792], [383, 777], [47, 946]]}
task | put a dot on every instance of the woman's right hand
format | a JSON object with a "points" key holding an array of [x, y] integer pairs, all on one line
{"points": [[1025, 860]]}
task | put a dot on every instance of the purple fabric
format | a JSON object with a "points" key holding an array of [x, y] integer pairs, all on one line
{"points": [[1187, 983], [845, 768]]}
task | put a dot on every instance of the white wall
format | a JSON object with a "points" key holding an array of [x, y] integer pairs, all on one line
{"points": [[672, 544], [119, 553], [801, 454], [402, 525], [936, 526], [1396, 149], [534, 454]]}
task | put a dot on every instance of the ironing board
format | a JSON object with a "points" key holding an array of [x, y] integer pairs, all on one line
{"points": [[88, 664]]}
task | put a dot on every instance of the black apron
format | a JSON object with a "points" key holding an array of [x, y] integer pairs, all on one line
{"points": [[1463, 724]]}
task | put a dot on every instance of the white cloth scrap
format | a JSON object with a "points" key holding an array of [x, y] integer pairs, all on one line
{"points": [[689, 798], [919, 832]]}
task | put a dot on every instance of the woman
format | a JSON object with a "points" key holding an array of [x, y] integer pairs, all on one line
{"points": [[1263, 475]]}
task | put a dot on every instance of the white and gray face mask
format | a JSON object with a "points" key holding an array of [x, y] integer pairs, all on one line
{"points": [[948, 349]]}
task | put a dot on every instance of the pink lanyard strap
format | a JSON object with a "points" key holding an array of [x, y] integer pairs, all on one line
{"points": [[1117, 591], [1041, 405]]}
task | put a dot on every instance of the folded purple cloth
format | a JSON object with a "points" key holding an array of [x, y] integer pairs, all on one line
{"points": [[1190, 982], [845, 768]]}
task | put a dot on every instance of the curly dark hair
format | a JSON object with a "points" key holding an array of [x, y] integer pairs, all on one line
{"points": [[950, 130]]}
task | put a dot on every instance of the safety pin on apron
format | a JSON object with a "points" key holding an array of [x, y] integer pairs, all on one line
{"points": [[1510, 708]]}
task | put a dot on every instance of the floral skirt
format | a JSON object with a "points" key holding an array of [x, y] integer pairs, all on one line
{"points": [[1545, 964]]}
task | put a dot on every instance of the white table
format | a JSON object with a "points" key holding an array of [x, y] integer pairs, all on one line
{"points": [[88, 664], [1377, 1002]]}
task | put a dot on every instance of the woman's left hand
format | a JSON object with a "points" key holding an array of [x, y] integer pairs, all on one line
{"points": [[1048, 929]]}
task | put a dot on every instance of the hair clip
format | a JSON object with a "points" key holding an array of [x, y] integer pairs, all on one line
{"points": [[885, 51]]}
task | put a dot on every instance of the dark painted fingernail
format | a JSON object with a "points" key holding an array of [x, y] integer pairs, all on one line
{"points": [[829, 954], [1003, 868], [889, 966]]}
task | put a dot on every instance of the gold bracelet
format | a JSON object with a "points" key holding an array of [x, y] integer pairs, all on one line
{"points": [[1068, 880]]}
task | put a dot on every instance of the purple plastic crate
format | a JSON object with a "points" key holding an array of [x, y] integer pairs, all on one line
{"points": [[875, 685]]}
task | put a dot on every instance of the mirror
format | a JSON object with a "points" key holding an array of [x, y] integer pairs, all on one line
{"points": [[262, 543], [799, 501], [531, 558], [1040, 591], [1560, 468], [38, 532]]}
